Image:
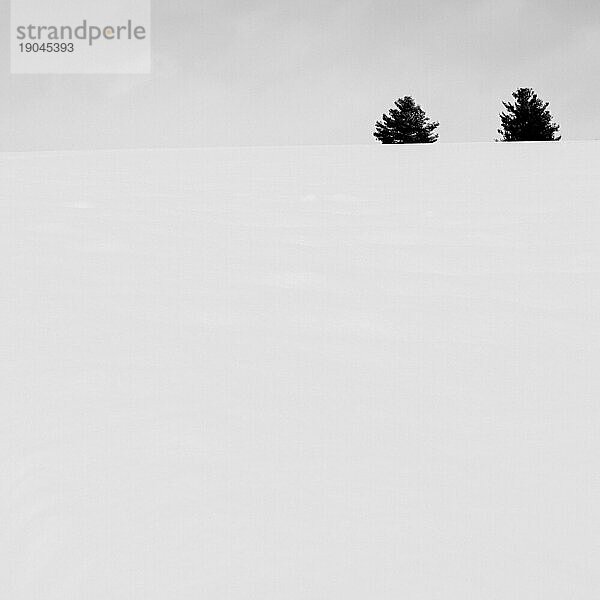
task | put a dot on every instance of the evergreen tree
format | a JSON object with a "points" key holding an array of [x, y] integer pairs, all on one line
{"points": [[406, 124], [528, 119]]}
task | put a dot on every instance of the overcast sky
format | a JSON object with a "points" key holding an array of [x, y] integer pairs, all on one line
{"points": [[271, 72]]}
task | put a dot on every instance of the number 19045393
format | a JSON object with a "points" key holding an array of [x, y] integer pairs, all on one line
{"points": [[46, 47]]}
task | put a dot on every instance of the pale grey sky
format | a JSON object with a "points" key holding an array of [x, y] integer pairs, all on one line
{"points": [[270, 72]]}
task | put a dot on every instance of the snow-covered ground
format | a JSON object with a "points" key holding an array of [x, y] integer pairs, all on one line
{"points": [[301, 373]]}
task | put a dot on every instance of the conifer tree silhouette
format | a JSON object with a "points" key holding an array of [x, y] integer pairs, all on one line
{"points": [[528, 119], [406, 124]]}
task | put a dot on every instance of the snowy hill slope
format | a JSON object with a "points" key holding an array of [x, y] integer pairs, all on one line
{"points": [[352, 372]]}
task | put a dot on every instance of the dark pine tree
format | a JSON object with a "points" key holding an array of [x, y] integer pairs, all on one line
{"points": [[527, 120], [406, 124]]}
